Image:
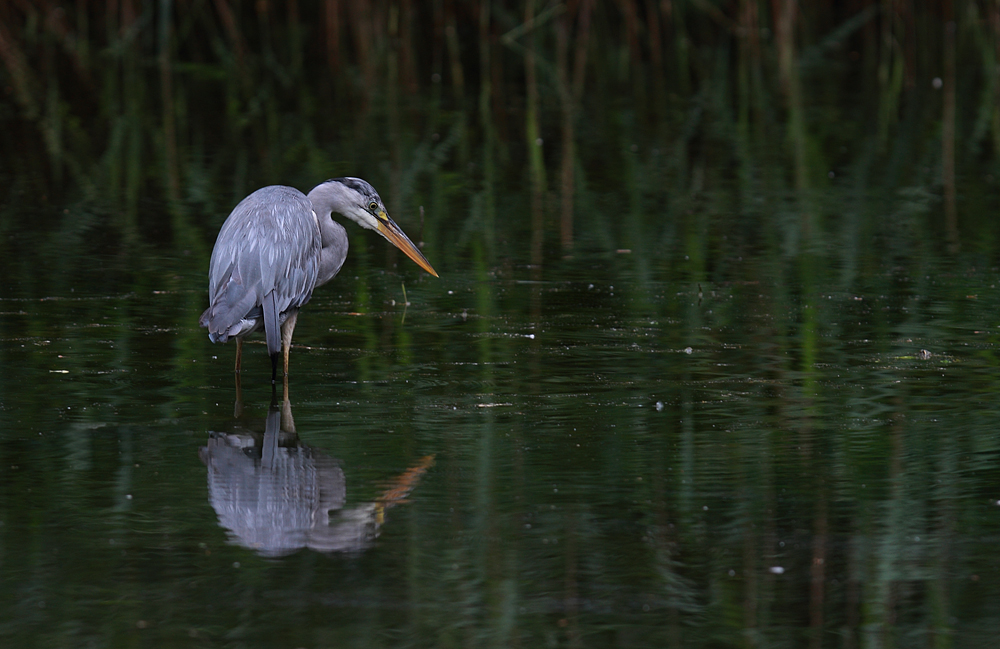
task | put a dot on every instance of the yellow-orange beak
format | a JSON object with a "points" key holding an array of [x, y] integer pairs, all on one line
{"points": [[388, 229]]}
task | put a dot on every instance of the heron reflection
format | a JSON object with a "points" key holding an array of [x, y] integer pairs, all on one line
{"points": [[275, 495]]}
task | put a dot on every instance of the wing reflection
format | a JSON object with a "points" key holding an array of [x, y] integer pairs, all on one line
{"points": [[276, 495]]}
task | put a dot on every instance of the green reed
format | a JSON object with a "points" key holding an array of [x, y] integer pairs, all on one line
{"points": [[193, 106]]}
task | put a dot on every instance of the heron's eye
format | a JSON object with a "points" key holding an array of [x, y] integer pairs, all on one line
{"points": [[373, 206]]}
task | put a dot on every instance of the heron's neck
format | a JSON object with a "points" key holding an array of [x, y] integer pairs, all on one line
{"points": [[330, 197], [334, 251]]}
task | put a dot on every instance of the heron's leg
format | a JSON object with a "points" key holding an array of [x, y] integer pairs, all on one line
{"points": [[286, 336], [238, 406], [286, 346], [239, 354], [287, 422]]}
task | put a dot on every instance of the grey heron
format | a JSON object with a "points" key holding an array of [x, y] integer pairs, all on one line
{"points": [[278, 245]]}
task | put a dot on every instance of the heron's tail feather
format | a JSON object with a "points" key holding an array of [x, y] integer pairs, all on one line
{"points": [[206, 321], [225, 319], [272, 328]]}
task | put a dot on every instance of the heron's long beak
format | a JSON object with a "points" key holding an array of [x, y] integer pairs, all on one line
{"points": [[388, 229]]}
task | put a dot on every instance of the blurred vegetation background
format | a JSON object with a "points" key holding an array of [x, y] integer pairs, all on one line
{"points": [[522, 131]]}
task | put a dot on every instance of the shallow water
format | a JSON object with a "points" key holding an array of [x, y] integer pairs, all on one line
{"points": [[504, 460]]}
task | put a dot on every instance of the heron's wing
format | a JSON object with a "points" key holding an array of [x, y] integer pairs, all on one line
{"points": [[268, 247]]}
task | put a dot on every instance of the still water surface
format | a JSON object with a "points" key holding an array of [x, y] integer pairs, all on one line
{"points": [[505, 461]]}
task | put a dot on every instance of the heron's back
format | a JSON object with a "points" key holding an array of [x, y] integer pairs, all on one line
{"points": [[268, 249]]}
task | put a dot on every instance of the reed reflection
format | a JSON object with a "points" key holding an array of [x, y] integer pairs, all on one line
{"points": [[275, 495]]}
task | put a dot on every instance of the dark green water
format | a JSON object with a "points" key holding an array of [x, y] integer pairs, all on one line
{"points": [[574, 460]]}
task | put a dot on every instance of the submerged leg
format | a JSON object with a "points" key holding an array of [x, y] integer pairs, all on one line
{"points": [[287, 423], [238, 406]]}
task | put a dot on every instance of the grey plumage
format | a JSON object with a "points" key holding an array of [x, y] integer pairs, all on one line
{"points": [[278, 245], [269, 247]]}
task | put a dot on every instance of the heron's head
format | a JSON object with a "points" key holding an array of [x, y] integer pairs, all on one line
{"points": [[357, 200]]}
